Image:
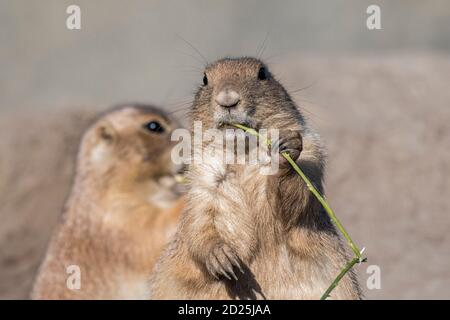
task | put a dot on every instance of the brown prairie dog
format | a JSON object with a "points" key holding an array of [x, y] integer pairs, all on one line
{"points": [[245, 235], [122, 209]]}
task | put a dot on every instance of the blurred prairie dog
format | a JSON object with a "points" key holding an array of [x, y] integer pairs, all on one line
{"points": [[244, 235], [122, 209]]}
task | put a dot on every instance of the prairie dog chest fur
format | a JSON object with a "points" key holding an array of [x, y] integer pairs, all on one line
{"points": [[214, 175], [234, 193]]}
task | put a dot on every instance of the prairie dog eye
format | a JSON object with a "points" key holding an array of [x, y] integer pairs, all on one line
{"points": [[205, 79], [262, 75], [154, 126]]}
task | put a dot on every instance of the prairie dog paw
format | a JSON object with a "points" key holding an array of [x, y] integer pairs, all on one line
{"points": [[221, 262], [291, 142]]}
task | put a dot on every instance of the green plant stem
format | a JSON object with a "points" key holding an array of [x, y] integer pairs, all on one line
{"points": [[341, 274], [321, 199], [324, 204]]}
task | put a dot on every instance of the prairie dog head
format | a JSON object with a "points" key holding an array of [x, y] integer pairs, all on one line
{"points": [[127, 145], [243, 91]]}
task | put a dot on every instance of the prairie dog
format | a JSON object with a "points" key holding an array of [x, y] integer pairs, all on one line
{"points": [[122, 209], [244, 235]]}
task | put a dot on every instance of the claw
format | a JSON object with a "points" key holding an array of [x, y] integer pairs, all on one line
{"points": [[221, 268], [225, 274], [235, 261], [221, 262], [231, 272], [228, 266], [222, 271], [211, 271]]}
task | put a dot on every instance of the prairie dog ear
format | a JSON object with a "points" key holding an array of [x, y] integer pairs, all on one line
{"points": [[102, 142], [105, 132]]}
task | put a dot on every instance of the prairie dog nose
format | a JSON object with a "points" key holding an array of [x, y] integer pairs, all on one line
{"points": [[227, 98]]}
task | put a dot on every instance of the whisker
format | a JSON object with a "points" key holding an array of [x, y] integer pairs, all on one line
{"points": [[274, 56], [180, 106], [180, 110], [261, 48], [180, 103], [196, 58], [194, 48], [303, 108], [304, 88]]}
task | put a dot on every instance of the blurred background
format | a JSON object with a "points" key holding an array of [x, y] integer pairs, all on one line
{"points": [[379, 98]]}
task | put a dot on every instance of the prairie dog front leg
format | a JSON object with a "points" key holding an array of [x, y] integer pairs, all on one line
{"points": [[208, 248]]}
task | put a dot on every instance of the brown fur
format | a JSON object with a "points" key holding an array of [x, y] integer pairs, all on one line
{"points": [[120, 213], [271, 227]]}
